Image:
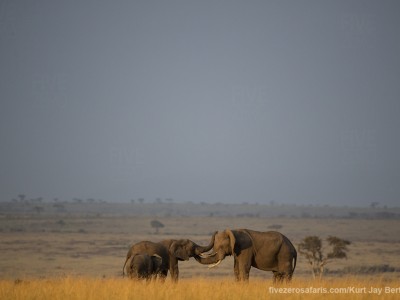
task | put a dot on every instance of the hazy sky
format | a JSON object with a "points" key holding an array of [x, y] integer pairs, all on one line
{"points": [[230, 101]]}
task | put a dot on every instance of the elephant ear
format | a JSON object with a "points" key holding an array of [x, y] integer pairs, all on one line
{"points": [[232, 240], [157, 261], [178, 251]]}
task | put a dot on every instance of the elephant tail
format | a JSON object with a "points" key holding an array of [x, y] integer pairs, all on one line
{"points": [[294, 260], [123, 268], [294, 252]]}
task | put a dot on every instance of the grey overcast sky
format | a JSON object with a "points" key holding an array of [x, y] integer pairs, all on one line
{"points": [[215, 101]]}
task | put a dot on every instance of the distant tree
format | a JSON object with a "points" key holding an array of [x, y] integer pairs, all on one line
{"points": [[133, 201], [156, 225], [374, 204], [38, 209], [159, 201], [21, 197], [169, 200], [311, 248], [77, 200], [141, 200]]}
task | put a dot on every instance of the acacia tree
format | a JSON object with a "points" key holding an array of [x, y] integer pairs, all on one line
{"points": [[311, 248], [156, 225]]}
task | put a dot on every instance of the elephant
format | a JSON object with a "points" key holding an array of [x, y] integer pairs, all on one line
{"points": [[143, 266], [171, 252], [150, 249], [267, 251]]}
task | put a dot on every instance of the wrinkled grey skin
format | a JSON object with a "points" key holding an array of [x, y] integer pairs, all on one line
{"points": [[150, 248], [267, 251], [143, 266], [171, 251]]}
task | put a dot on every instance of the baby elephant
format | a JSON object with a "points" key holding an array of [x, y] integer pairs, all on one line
{"points": [[143, 266]]}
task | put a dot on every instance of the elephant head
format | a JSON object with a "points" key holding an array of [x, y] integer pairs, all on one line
{"points": [[224, 245], [184, 249], [180, 250]]}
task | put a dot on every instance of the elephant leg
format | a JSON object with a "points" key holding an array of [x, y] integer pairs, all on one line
{"points": [[236, 269], [244, 270], [286, 271], [245, 275], [174, 270], [163, 275], [288, 277], [174, 277], [278, 277]]}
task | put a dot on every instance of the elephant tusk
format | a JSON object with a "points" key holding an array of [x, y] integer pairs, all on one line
{"points": [[202, 255], [214, 265]]}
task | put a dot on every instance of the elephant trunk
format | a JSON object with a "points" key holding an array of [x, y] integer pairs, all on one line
{"points": [[202, 249]]}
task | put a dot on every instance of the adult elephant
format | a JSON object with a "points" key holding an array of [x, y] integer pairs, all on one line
{"points": [[267, 251], [171, 252]]}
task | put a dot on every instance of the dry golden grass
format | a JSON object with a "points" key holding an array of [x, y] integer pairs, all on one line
{"points": [[199, 288]]}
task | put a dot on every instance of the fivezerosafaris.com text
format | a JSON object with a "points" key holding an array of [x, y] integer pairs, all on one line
{"points": [[335, 290]]}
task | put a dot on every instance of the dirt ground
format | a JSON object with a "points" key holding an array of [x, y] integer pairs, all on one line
{"points": [[44, 245]]}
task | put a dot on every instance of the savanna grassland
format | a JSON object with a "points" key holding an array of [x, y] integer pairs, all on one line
{"points": [[76, 250], [88, 288]]}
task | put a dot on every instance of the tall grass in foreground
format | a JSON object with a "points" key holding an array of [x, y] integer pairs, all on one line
{"points": [[91, 288]]}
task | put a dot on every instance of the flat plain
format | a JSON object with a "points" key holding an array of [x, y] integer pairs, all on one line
{"points": [[92, 239]]}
